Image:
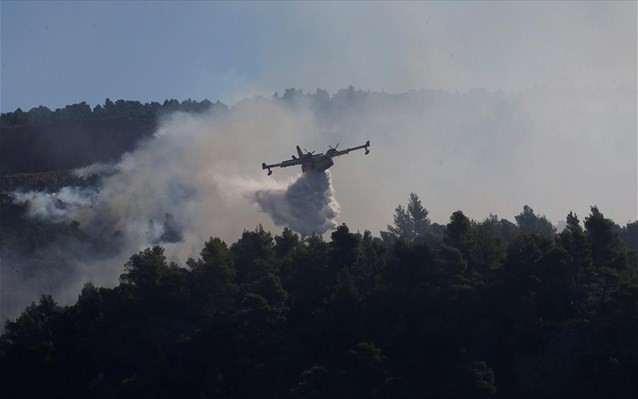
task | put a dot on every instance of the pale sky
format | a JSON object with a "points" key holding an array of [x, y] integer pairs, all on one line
{"points": [[58, 53], [566, 70], [555, 128]]}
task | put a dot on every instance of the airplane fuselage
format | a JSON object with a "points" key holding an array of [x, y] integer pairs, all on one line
{"points": [[317, 163]]}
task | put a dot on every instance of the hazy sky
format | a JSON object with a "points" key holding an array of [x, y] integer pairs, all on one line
{"points": [[555, 129], [566, 72], [58, 53]]}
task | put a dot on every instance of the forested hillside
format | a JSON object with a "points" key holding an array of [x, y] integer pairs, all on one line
{"points": [[41, 140], [476, 310]]}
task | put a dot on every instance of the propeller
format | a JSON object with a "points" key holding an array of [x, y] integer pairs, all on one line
{"points": [[333, 150], [309, 152]]}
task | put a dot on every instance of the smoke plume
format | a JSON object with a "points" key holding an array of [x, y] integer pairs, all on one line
{"points": [[55, 207], [308, 205], [200, 175]]}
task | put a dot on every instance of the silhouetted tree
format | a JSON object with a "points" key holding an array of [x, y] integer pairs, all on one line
{"points": [[460, 235], [286, 243], [411, 222], [531, 223], [213, 277], [344, 247], [39, 114], [609, 258], [253, 254]]}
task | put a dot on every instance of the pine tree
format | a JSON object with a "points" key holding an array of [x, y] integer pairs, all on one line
{"points": [[418, 216], [531, 223], [411, 222]]}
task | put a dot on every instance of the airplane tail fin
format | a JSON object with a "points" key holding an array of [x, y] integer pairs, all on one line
{"points": [[299, 152]]}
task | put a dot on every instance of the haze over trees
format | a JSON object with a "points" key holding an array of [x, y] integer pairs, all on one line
{"points": [[488, 309], [109, 110], [77, 135], [483, 137]]}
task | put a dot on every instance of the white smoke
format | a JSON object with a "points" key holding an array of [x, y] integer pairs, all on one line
{"points": [[481, 152], [56, 207], [168, 191], [174, 188], [308, 205], [98, 168]]}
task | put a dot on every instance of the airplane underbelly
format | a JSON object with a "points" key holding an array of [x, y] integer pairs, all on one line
{"points": [[317, 165], [323, 164]]}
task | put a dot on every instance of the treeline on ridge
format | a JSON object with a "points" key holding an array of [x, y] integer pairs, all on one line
{"points": [[152, 110], [109, 110], [41, 140], [480, 310], [77, 135]]}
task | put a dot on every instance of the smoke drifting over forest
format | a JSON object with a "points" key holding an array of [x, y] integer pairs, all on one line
{"points": [[481, 152], [56, 207]]}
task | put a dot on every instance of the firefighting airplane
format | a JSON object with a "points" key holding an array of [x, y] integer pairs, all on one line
{"points": [[316, 162]]}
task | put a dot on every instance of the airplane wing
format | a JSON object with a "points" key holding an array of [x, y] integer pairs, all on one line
{"points": [[283, 164], [335, 153]]}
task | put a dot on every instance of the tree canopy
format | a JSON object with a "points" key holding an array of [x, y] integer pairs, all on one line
{"points": [[109, 110], [483, 310]]}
